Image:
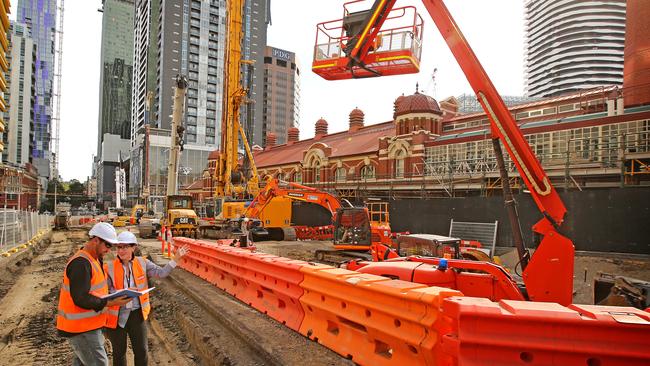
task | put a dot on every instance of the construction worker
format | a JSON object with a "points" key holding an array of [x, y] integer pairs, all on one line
{"points": [[82, 313], [130, 271]]}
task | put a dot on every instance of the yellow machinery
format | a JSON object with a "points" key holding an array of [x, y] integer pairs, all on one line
{"points": [[122, 219], [136, 212], [181, 216], [231, 185]]}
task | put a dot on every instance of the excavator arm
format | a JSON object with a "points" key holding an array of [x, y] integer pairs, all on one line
{"points": [[549, 274], [276, 188]]}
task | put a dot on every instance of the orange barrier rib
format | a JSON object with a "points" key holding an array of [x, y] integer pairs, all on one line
{"points": [[536, 333], [371, 319], [269, 283]]}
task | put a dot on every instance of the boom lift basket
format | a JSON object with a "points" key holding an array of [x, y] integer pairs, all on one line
{"points": [[395, 50]]}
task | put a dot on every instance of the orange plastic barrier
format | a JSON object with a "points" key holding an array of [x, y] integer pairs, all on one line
{"points": [[371, 319], [534, 333], [269, 283]]}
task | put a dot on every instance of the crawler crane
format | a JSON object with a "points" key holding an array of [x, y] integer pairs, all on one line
{"points": [[231, 187]]}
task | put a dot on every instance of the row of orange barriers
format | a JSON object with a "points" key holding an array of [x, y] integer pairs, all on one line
{"points": [[377, 321]]}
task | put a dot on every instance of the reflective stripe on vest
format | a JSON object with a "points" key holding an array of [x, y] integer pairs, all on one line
{"points": [[72, 318], [115, 271]]}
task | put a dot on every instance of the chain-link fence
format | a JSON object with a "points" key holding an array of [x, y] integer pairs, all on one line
{"points": [[18, 227]]}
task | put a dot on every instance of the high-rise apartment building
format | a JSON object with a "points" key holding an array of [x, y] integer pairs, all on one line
{"points": [[4, 65], [257, 17], [281, 106], [116, 73], [20, 96], [573, 45], [115, 85], [186, 37], [40, 16]]}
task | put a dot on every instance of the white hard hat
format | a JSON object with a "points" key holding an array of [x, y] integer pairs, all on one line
{"points": [[127, 237], [104, 231]]}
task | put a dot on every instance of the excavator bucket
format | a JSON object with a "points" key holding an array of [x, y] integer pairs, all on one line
{"points": [[394, 49], [615, 290]]}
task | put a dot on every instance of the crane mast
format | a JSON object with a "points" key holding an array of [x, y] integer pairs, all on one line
{"points": [[228, 175], [176, 134]]}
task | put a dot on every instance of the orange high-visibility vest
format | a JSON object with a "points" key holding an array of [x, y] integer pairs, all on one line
{"points": [[115, 272], [72, 318]]}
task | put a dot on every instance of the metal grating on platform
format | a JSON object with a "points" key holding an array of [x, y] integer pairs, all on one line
{"points": [[484, 232]]}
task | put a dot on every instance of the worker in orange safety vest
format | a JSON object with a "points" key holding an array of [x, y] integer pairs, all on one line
{"points": [[130, 271], [82, 313]]}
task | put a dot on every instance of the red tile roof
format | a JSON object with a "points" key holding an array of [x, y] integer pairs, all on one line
{"points": [[196, 185], [363, 141]]}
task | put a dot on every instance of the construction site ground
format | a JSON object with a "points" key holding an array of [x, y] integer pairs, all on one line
{"points": [[192, 322]]}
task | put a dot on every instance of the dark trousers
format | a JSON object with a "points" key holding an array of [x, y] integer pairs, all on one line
{"points": [[136, 329]]}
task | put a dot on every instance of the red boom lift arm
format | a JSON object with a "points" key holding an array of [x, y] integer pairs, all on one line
{"points": [[549, 274]]}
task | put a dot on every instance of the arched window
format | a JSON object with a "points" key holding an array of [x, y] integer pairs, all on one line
{"points": [[368, 172], [341, 174], [399, 164], [316, 171]]}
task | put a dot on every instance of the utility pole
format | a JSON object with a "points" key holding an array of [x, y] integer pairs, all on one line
{"points": [[176, 134]]}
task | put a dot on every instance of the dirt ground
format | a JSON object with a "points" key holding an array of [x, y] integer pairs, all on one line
{"points": [[192, 322]]}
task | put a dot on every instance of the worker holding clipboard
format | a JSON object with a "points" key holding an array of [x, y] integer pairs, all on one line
{"points": [[129, 275]]}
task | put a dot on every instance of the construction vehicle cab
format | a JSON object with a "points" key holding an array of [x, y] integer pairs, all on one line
{"points": [[352, 229], [136, 213], [180, 216]]}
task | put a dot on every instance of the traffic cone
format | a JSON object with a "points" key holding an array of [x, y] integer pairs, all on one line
{"points": [[169, 245], [161, 237]]}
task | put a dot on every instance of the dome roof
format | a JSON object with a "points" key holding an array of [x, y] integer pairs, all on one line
{"points": [[356, 112], [293, 130], [321, 122], [416, 103]]}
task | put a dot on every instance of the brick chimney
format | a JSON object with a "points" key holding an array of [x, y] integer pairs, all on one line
{"points": [[356, 119], [293, 135], [271, 139], [321, 128]]}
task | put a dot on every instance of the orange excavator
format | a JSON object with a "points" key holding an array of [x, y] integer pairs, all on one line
{"points": [[369, 43], [355, 229], [274, 207]]}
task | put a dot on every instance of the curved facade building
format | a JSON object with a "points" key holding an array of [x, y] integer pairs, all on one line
{"points": [[573, 45]]}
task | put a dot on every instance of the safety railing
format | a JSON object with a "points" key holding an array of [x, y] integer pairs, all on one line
{"points": [[17, 228]]}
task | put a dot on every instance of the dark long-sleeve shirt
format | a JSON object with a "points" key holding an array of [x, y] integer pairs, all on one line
{"points": [[79, 273]]}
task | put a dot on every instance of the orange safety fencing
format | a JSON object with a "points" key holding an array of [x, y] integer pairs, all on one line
{"points": [[535, 333], [374, 320], [371, 319], [269, 283]]}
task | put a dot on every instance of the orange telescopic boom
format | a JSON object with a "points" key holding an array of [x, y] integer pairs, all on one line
{"points": [[549, 274]]}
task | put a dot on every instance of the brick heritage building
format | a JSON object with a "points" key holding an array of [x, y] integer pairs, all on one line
{"points": [[587, 139]]}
